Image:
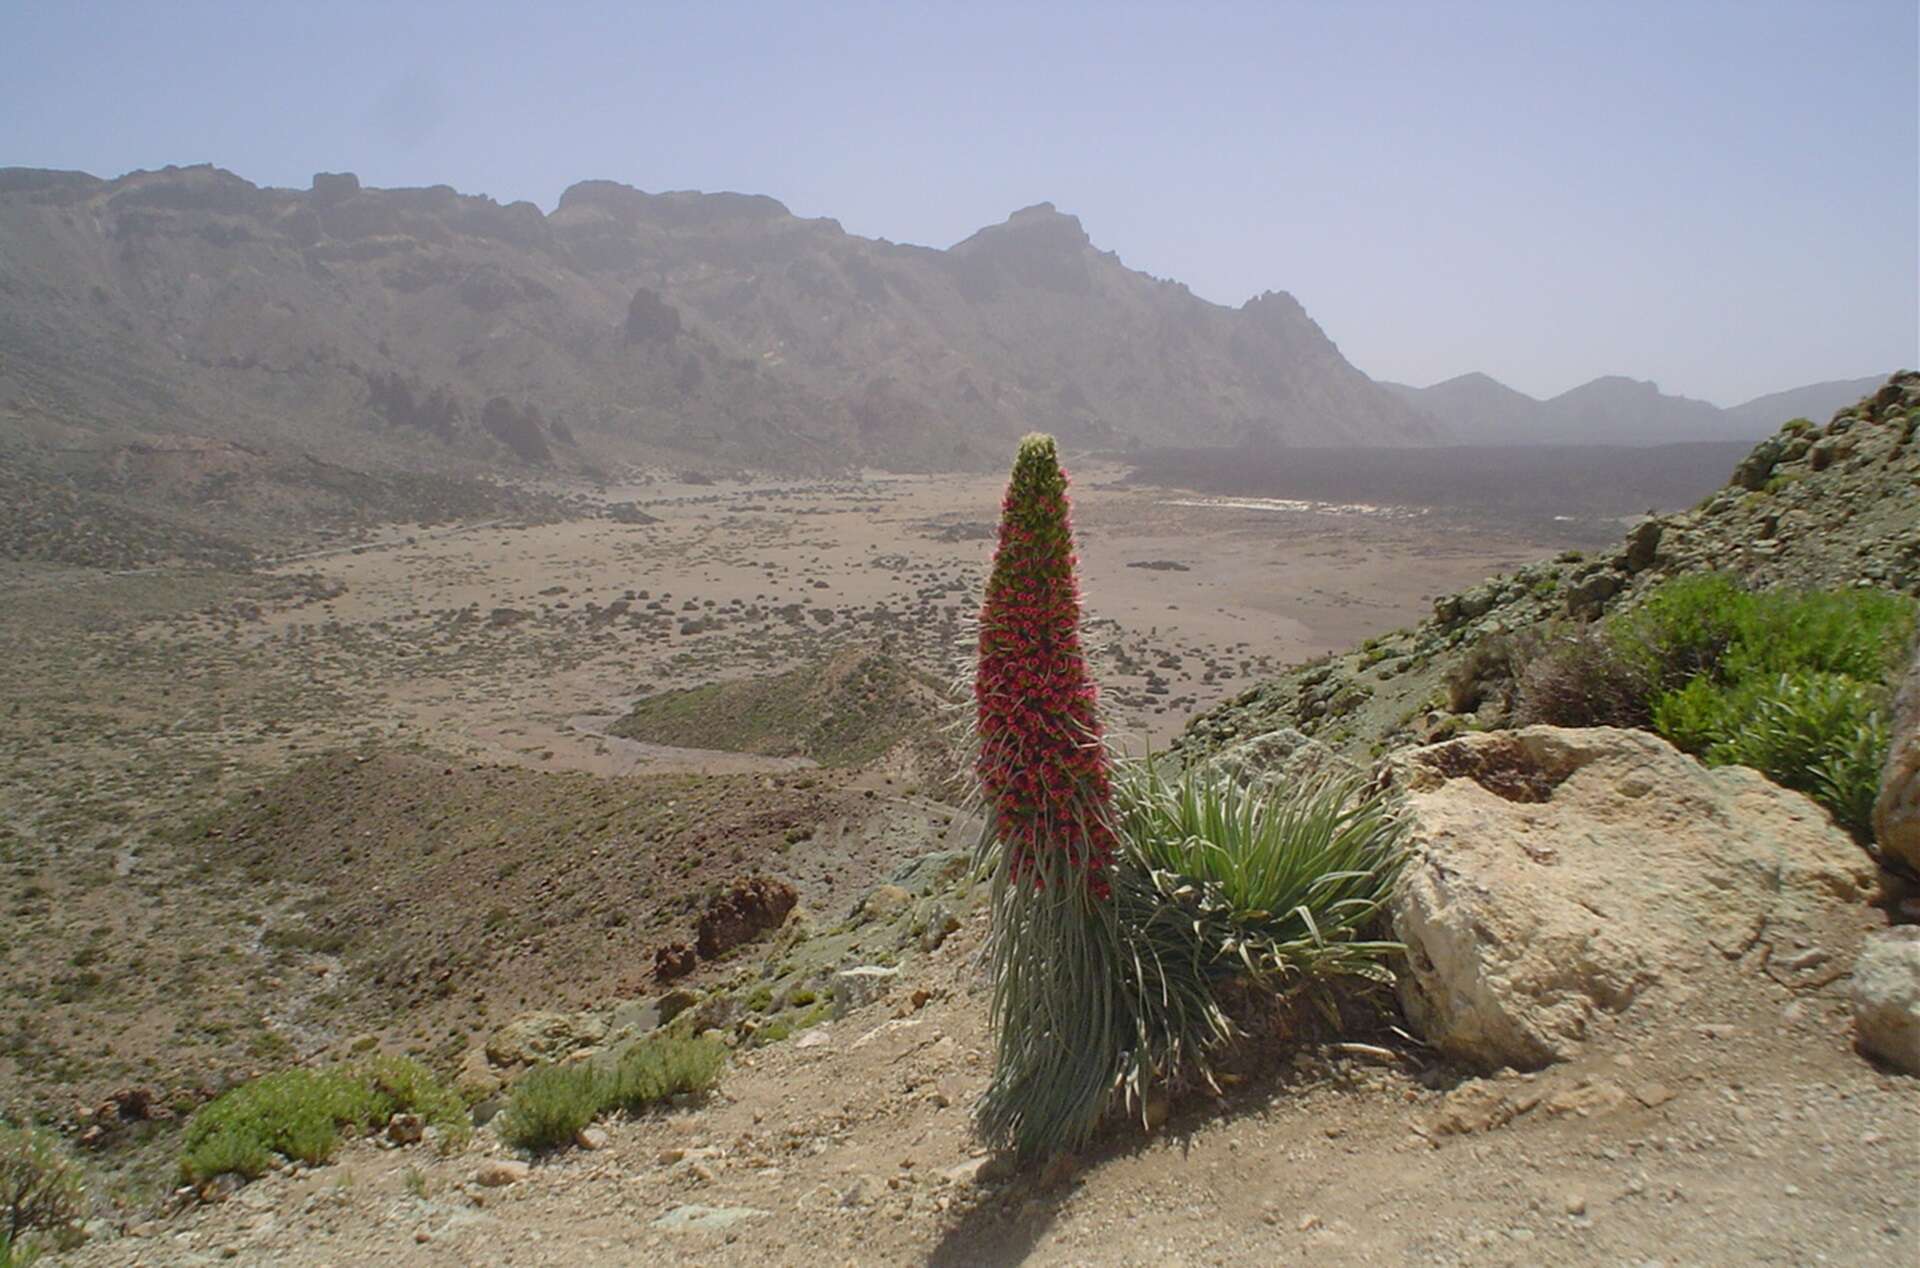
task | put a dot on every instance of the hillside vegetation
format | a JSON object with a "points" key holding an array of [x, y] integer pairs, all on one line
{"points": [[1813, 507]]}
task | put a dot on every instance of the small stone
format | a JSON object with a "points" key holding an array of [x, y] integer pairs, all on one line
{"points": [[406, 1129], [592, 1138], [1576, 1204], [707, 1218], [497, 1173]]}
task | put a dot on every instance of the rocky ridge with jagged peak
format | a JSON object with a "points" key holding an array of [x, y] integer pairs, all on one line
{"points": [[1814, 505], [410, 325]]}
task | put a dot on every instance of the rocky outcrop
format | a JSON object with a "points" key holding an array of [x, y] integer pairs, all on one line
{"points": [[1560, 878], [1886, 998], [534, 1038], [1896, 812], [750, 907]]}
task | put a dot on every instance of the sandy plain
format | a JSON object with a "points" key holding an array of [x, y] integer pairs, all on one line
{"points": [[1188, 600]]}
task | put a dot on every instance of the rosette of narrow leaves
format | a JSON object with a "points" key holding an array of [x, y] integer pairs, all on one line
{"points": [[1271, 888]]}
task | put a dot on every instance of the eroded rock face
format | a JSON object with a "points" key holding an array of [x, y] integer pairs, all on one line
{"points": [[1896, 814], [1563, 876]]}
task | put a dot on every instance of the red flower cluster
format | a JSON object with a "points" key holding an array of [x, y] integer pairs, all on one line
{"points": [[1041, 761]]}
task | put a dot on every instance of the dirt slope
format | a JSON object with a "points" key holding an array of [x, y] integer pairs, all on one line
{"points": [[1747, 1133]]}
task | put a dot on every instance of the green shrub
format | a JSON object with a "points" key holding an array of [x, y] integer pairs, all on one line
{"points": [[42, 1194], [1709, 625], [551, 1103], [662, 1066], [301, 1114], [1822, 734], [1791, 683]]}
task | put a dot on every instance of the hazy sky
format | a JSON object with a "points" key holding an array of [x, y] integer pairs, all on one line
{"points": [[1724, 198]]}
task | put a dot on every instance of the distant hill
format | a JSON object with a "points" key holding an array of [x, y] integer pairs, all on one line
{"points": [[410, 326], [1477, 410], [1815, 401]]}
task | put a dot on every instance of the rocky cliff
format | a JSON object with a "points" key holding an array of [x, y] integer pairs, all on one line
{"points": [[395, 323]]}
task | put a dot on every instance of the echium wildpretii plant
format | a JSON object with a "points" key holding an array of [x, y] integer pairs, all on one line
{"points": [[1043, 772]]}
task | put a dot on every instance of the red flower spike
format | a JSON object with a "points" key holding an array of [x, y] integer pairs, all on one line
{"points": [[1041, 762]]}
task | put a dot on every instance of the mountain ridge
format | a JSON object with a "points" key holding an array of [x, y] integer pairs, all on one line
{"points": [[1476, 408], [403, 324]]}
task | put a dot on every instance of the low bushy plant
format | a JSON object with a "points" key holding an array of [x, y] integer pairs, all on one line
{"points": [[42, 1195], [1576, 676], [550, 1104], [1708, 625], [1823, 734], [663, 1066], [301, 1115], [1791, 683]]}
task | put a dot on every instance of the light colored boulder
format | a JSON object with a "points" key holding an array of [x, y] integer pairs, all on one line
{"points": [[532, 1038], [1886, 997], [477, 1078], [498, 1173], [1896, 813], [1559, 877], [857, 987]]}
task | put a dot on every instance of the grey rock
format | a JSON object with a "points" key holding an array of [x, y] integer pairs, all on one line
{"points": [[1896, 812], [937, 870], [694, 1217], [635, 1017], [1559, 876], [1886, 997], [1643, 545], [532, 1038], [1587, 597], [675, 1002], [885, 903], [497, 1173], [941, 923], [857, 987]]}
